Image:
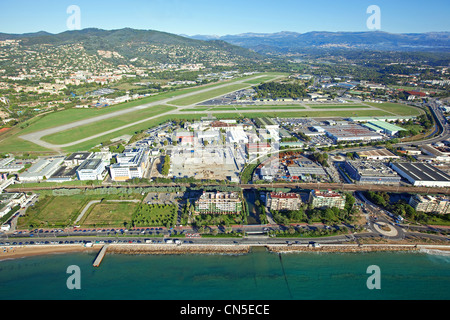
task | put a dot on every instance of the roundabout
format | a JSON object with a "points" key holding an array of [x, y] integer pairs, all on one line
{"points": [[385, 229]]}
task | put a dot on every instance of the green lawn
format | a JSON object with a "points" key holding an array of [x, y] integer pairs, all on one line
{"points": [[398, 109], [82, 132], [51, 212], [62, 211], [109, 214], [340, 107], [131, 130]]}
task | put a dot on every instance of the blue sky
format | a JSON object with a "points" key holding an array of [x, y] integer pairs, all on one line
{"points": [[226, 17]]}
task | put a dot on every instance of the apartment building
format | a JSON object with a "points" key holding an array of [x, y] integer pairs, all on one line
{"points": [[219, 203], [430, 204], [280, 201], [326, 199]]}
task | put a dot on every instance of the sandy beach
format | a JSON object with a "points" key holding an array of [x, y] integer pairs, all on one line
{"points": [[16, 252]]}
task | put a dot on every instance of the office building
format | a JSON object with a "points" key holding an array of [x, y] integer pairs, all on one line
{"points": [[91, 169], [132, 163]]}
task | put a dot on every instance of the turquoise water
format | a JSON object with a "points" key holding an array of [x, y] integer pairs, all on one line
{"points": [[256, 276]]}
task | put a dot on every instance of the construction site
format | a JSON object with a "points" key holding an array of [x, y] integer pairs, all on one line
{"points": [[207, 163]]}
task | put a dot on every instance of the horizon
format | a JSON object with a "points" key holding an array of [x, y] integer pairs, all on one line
{"points": [[214, 35], [201, 17]]}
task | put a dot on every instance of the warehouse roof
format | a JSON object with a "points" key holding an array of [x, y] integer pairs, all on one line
{"points": [[422, 172]]}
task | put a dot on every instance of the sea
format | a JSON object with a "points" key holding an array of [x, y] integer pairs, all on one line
{"points": [[258, 275]]}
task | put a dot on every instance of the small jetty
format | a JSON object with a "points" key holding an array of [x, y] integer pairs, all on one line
{"points": [[100, 256]]}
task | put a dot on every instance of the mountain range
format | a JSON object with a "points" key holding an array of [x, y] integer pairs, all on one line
{"points": [[292, 42], [149, 47]]}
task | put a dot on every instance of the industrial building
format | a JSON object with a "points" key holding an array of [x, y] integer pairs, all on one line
{"points": [[430, 204], [41, 170], [8, 165], [385, 127], [378, 154], [237, 136], [326, 199], [302, 167], [351, 132], [422, 174], [368, 172], [436, 153], [258, 149], [63, 174], [280, 201], [219, 203]]}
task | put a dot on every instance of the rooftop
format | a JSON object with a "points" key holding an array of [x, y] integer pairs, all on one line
{"points": [[90, 164], [281, 195], [422, 171]]}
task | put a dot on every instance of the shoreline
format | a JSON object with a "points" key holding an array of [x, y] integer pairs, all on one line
{"points": [[17, 252]]}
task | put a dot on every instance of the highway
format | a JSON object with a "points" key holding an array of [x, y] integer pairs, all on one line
{"points": [[442, 127]]}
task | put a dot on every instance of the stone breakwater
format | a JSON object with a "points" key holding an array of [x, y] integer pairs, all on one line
{"points": [[177, 249], [340, 248]]}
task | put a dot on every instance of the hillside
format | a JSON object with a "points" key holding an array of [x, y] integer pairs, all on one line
{"points": [[143, 47]]}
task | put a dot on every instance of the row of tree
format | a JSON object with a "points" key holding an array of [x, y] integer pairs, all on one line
{"points": [[275, 90]]}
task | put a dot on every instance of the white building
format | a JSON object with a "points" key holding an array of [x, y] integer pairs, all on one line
{"points": [[237, 136], [422, 174], [132, 163], [91, 169], [41, 170]]}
